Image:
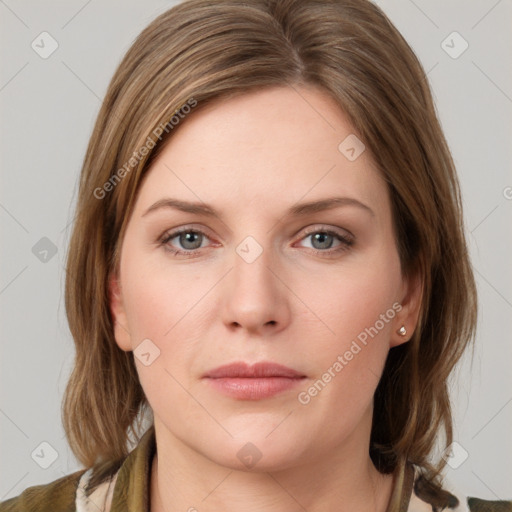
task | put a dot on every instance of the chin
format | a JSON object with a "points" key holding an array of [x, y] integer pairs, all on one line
{"points": [[254, 452]]}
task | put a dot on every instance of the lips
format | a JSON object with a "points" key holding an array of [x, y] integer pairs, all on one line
{"points": [[257, 370], [253, 382]]}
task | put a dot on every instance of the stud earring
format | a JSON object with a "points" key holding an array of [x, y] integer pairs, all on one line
{"points": [[402, 331]]}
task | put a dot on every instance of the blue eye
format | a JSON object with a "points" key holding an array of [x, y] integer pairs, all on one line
{"points": [[323, 240], [187, 238], [190, 241]]}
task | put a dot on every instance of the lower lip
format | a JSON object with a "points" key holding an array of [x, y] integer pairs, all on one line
{"points": [[253, 388]]}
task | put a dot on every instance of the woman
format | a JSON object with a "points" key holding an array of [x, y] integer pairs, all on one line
{"points": [[268, 267]]}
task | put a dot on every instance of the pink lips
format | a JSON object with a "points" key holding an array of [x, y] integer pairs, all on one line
{"points": [[253, 382]]}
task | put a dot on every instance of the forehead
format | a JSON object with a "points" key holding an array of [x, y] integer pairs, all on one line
{"points": [[271, 148]]}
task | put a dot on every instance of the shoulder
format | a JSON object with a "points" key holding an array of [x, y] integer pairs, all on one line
{"points": [[94, 489], [478, 505], [425, 497], [56, 496]]}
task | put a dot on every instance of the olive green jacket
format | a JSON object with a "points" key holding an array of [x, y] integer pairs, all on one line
{"points": [[128, 491]]}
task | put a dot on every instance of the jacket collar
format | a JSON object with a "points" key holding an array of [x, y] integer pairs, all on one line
{"points": [[131, 491]]}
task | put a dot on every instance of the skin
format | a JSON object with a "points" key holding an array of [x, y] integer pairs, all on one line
{"points": [[252, 158]]}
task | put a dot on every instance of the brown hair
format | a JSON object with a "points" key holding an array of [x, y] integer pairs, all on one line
{"points": [[201, 51]]}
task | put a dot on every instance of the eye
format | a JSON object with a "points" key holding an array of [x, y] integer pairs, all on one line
{"points": [[187, 240], [322, 240]]}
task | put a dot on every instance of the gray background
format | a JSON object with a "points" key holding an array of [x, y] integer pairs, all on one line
{"points": [[48, 107]]}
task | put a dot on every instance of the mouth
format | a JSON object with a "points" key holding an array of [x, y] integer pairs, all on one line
{"points": [[253, 382]]}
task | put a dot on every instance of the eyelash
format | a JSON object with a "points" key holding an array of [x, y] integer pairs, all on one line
{"points": [[346, 242]]}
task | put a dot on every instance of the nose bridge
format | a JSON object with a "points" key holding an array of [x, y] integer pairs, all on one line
{"points": [[254, 296], [251, 267]]}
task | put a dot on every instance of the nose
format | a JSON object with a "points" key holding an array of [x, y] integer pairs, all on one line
{"points": [[255, 298]]}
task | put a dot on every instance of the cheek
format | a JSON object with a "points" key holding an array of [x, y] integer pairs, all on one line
{"points": [[157, 297], [357, 297], [357, 309], [163, 305], [159, 308]]}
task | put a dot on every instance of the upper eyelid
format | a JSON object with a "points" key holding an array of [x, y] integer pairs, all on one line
{"points": [[172, 233], [334, 230]]}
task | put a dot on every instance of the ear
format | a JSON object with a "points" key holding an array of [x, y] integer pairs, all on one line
{"points": [[121, 333], [408, 315]]}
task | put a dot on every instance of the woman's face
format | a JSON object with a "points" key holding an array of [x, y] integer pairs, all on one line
{"points": [[268, 278]]}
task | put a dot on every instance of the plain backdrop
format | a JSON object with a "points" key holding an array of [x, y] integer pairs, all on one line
{"points": [[48, 107]]}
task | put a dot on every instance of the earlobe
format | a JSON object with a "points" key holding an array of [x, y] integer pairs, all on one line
{"points": [[407, 319], [121, 333]]}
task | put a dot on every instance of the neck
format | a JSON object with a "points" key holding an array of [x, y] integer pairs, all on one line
{"points": [[345, 480]]}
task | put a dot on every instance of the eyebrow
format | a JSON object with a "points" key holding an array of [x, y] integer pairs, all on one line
{"points": [[299, 210]]}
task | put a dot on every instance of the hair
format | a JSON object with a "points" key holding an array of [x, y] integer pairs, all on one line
{"points": [[203, 51]]}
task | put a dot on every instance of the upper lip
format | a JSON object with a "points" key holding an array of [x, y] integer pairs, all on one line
{"points": [[245, 370]]}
